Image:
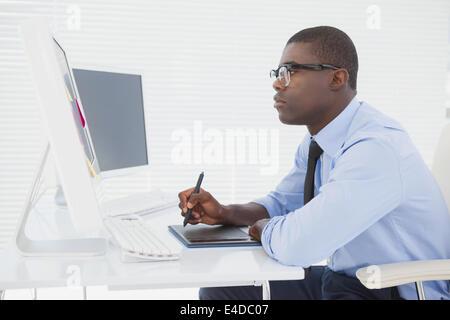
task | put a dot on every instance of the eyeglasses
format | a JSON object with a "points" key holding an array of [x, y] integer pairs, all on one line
{"points": [[283, 73]]}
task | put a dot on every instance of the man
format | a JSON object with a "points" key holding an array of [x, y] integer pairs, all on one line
{"points": [[359, 192]]}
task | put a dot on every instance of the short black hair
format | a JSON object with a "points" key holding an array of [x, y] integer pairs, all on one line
{"points": [[331, 46]]}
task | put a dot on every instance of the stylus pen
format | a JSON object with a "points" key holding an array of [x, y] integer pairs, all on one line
{"points": [[196, 190]]}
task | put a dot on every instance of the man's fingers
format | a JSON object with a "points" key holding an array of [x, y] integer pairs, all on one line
{"points": [[183, 208], [195, 213], [194, 221], [195, 218], [197, 198], [185, 196], [252, 233], [257, 228]]}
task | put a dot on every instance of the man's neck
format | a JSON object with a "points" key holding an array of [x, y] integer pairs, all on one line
{"points": [[338, 106]]}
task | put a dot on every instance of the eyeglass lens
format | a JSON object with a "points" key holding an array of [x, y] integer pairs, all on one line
{"points": [[284, 76]]}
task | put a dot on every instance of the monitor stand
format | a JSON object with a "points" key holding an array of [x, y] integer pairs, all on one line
{"points": [[52, 248]]}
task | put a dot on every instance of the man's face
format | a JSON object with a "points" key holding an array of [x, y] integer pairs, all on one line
{"points": [[306, 99]]}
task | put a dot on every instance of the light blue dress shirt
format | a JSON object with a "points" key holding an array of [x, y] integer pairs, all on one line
{"points": [[375, 202]]}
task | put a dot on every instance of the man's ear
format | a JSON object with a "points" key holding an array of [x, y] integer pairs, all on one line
{"points": [[337, 79]]}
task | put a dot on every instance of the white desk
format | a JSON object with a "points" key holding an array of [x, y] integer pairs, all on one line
{"points": [[199, 267]]}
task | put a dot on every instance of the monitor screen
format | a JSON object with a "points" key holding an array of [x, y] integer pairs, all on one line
{"points": [[70, 91], [113, 106]]}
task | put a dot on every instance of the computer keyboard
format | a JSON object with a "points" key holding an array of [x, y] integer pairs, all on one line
{"points": [[140, 204], [137, 240]]}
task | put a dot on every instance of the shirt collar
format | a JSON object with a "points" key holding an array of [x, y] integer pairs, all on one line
{"points": [[332, 137]]}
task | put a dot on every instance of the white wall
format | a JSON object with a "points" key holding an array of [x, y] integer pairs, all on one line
{"points": [[206, 66]]}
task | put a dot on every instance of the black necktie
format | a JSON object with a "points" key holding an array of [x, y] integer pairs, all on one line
{"points": [[308, 193], [314, 153]]}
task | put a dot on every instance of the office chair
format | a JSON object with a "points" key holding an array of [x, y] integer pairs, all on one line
{"points": [[395, 274]]}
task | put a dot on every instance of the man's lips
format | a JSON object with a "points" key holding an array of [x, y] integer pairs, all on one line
{"points": [[278, 102]]}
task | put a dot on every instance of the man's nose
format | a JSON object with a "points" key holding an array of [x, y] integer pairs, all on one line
{"points": [[276, 85]]}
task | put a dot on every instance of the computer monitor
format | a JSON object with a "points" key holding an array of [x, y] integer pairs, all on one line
{"points": [[114, 108], [69, 144], [72, 96]]}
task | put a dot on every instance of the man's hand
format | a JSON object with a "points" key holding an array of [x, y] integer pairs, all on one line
{"points": [[205, 208], [257, 228]]}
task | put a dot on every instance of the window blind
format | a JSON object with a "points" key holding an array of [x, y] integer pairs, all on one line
{"points": [[207, 92]]}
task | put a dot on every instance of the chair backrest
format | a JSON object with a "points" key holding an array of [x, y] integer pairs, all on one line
{"points": [[441, 163]]}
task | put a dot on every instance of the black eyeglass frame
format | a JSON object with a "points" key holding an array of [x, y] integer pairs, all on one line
{"points": [[308, 66]]}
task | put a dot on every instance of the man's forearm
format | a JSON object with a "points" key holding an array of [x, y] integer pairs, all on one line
{"points": [[244, 214]]}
